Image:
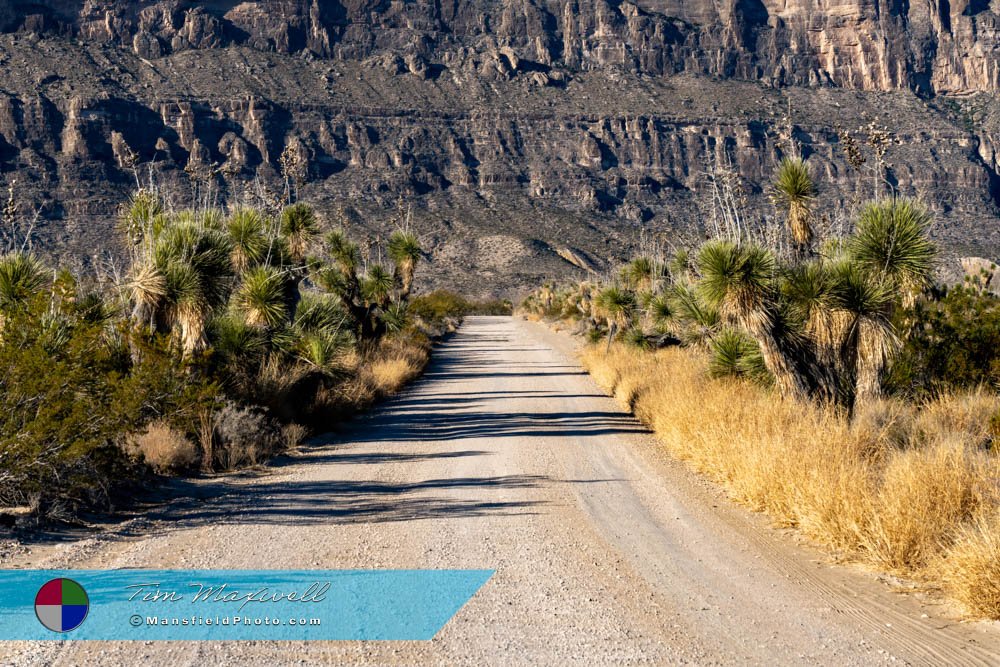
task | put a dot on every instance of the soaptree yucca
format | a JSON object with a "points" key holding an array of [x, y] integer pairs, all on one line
{"points": [[261, 297], [617, 305], [405, 252], [740, 281], [863, 302], [371, 295], [298, 228], [22, 277], [794, 192], [891, 240], [246, 229]]}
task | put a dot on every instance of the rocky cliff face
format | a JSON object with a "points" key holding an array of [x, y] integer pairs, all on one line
{"points": [[927, 45], [513, 130]]}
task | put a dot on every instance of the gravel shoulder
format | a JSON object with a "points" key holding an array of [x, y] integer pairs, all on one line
{"points": [[505, 455]]}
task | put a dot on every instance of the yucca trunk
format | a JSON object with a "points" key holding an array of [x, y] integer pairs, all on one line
{"points": [[872, 344], [192, 332], [789, 381], [828, 331], [612, 330], [404, 277], [798, 223]]}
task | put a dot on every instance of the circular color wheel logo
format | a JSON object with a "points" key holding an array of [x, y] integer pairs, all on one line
{"points": [[61, 605]]}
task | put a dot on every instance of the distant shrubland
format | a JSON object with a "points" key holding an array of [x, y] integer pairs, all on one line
{"points": [[824, 378]]}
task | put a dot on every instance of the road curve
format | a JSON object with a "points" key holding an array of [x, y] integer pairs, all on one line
{"points": [[506, 456]]}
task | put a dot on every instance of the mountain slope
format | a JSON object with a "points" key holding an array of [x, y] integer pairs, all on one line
{"points": [[511, 130]]}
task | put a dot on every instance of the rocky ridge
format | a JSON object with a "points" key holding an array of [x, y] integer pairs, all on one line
{"points": [[525, 137]]}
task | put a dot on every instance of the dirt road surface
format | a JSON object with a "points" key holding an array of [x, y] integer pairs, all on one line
{"points": [[506, 456]]}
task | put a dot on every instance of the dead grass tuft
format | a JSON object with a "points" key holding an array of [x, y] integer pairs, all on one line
{"points": [[165, 449], [972, 565]]}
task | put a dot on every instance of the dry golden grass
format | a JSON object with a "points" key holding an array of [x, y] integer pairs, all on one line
{"points": [[164, 449], [397, 361], [902, 487], [972, 565]]}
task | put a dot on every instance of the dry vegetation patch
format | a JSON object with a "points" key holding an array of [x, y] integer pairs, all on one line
{"points": [[911, 488], [164, 448]]}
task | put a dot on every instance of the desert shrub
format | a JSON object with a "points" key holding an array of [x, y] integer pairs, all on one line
{"points": [[164, 448], [294, 434], [636, 337], [972, 563], [439, 305], [71, 393], [951, 342], [245, 436]]}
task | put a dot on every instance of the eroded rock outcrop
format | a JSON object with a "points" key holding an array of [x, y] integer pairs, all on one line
{"points": [[928, 45], [552, 121]]}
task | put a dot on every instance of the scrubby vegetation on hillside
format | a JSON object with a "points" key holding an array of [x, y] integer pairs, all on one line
{"points": [[824, 379], [228, 337]]}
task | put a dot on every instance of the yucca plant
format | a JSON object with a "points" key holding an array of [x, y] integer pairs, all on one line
{"points": [[660, 312], [261, 297], [618, 305], [636, 337], [235, 340], [405, 252], [193, 263], [247, 233], [696, 320], [395, 316], [298, 228], [639, 274], [319, 312], [22, 277], [147, 287], [344, 252], [734, 354], [376, 286], [891, 241], [869, 340], [740, 280], [806, 287], [794, 192], [681, 265], [367, 298], [140, 217]]}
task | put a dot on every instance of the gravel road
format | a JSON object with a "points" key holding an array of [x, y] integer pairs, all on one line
{"points": [[506, 456]]}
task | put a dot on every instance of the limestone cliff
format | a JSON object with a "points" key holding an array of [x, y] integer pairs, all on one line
{"points": [[570, 125]]}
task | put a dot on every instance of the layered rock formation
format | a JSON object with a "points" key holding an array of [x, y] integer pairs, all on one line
{"points": [[928, 45], [569, 127]]}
